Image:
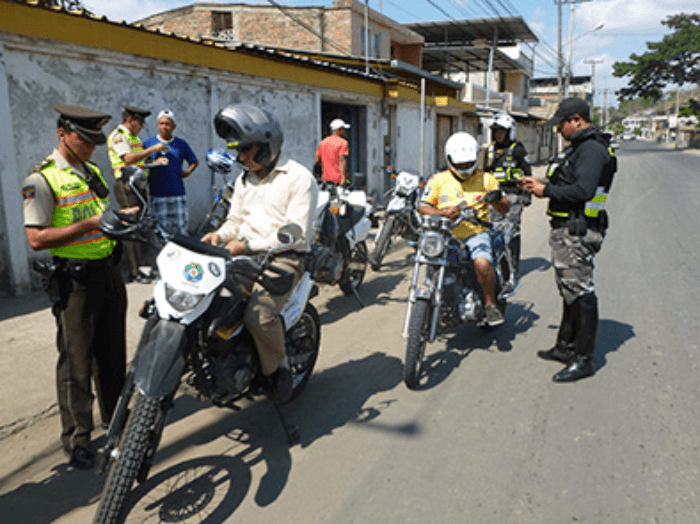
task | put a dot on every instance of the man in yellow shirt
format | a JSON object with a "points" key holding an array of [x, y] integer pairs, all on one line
{"points": [[462, 184]]}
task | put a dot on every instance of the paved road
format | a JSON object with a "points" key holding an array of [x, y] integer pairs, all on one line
{"points": [[488, 439]]}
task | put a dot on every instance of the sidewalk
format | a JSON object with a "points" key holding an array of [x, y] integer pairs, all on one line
{"points": [[28, 353]]}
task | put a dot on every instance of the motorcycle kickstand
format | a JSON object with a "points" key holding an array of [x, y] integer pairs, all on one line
{"points": [[357, 295], [291, 430]]}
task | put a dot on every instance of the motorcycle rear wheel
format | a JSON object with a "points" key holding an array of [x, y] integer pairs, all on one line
{"points": [[132, 451], [355, 269], [303, 343], [384, 238], [417, 340]]}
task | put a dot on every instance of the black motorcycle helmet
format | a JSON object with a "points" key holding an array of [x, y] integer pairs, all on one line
{"points": [[245, 125]]}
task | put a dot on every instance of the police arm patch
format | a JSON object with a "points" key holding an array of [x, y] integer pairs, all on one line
{"points": [[28, 192]]}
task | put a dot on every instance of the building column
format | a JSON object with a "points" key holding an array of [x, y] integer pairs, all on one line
{"points": [[11, 195]]}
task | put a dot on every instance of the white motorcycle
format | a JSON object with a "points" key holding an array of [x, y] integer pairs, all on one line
{"points": [[339, 252], [401, 217]]}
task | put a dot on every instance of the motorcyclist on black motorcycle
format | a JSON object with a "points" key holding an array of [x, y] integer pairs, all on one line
{"points": [[447, 192], [266, 197]]}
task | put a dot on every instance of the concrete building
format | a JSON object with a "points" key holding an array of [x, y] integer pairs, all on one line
{"points": [[339, 29], [50, 56]]}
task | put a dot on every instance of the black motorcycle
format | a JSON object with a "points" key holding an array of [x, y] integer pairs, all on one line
{"points": [[194, 332], [444, 290]]}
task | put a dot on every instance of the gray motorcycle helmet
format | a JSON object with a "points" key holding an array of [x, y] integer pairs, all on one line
{"points": [[245, 125]]}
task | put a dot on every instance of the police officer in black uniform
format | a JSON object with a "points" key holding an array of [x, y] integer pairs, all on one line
{"points": [[577, 187], [507, 159], [64, 197]]}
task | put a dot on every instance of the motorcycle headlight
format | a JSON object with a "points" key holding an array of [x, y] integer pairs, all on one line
{"points": [[182, 300], [432, 244]]}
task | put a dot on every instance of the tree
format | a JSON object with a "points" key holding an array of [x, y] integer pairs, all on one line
{"points": [[674, 60]]}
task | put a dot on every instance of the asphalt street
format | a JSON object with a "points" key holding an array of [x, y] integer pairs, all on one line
{"points": [[487, 438]]}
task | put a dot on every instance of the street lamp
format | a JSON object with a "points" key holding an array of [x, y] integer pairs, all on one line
{"points": [[570, 43]]}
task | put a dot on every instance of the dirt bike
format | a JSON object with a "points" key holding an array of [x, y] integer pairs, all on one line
{"points": [[194, 332], [401, 216], [341, 224], [444, 290]]}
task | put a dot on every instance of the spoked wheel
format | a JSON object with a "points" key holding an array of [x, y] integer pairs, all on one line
{"points": [[303, 343], [417, 340], [383, 243], [355, 269], [132, 451]]}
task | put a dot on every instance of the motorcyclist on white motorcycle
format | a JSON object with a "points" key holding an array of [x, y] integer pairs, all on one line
{"points": [[446, 194], [266, 197]]}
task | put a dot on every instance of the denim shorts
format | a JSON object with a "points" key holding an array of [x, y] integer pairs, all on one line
{"points": [[480, 246]]}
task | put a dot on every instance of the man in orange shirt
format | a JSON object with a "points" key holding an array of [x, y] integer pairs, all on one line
{"points": [[332, 153]]}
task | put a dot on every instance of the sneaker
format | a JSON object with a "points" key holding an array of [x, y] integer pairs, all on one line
{"points": [[494, 317], [82, 458], [278, 386]]}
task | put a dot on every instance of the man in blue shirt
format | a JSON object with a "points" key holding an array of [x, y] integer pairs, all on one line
{"points": [[168, 198]]}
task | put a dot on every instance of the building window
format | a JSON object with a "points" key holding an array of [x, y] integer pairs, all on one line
{"points": [[220, 21], [375, 44]]}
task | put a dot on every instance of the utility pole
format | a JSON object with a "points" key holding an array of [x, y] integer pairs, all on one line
{"points": [[593, 62], [559, 58]]}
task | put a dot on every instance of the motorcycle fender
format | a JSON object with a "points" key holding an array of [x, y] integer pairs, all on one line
{"points": [[160, 360], [359, 232], [396, 204], [424, 292]]}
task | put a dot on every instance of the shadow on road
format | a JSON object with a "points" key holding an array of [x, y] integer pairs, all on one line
{"points": [[209, 489], [611, 336], [462, 341], [529, 265]]}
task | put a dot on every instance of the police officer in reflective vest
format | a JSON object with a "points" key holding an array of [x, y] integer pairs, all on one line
{"points": [[507, 160], [126, 149], [577, 187], [64, 197]]}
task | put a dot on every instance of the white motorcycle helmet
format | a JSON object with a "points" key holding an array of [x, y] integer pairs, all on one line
{"points": [[504, 121], [461, 153]]}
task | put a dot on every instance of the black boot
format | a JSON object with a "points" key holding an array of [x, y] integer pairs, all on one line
{"points": [[585, 312], [564, 350]]}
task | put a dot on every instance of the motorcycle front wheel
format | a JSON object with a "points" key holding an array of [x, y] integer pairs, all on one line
{"points": [[381, 247], [417, 340], [355, 268], [132, 451]]}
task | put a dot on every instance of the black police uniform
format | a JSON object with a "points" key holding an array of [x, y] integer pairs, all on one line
{"points": [[579, 182]]}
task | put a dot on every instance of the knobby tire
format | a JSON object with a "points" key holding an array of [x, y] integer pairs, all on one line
{"points": [[308, 342], [133, 449], [356, 276], [381, 248]]}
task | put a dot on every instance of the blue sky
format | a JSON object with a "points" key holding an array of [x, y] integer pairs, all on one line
{"points": [[627, 25]]}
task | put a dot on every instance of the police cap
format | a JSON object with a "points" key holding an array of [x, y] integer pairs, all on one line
{"points": [[86, 122], [568, 108], [137, 112]]}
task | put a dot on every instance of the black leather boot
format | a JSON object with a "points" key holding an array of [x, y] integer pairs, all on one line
{"points": [[564, 350], [585, 311]]}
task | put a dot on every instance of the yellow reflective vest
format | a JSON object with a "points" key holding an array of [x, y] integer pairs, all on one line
{"points": [[75, 201], [116, 161]]}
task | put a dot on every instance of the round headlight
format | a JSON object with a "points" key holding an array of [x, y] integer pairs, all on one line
{"points": [[432, 243], [182, 300]]}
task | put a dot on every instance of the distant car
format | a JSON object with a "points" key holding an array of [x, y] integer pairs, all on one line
{"points": [[614, 143], [627, 136]]}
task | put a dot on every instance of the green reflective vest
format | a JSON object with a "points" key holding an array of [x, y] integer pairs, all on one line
{"points": [[75, 201], [116, 161], [507, 168]]}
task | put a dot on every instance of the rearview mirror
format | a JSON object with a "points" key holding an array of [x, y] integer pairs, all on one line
{"points": [[290, 233]]}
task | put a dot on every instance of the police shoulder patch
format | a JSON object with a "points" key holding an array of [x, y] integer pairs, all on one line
{"points": [[28, 192]]}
